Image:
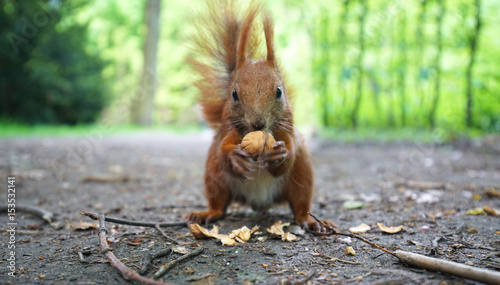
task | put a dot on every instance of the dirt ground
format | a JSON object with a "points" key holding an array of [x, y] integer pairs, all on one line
{"points": [[425, 187]]}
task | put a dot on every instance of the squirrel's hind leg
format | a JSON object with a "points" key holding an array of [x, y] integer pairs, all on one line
{"points": [[218, 195], [299, 192]]}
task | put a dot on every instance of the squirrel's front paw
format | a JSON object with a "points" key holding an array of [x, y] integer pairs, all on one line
{"points": [[275, 156], [242, 164]]}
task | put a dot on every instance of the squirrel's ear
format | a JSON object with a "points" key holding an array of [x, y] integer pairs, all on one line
{"points": [[269, 32], [241, 55]]}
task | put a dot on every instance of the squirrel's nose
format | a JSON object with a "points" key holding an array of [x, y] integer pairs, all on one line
{"points": [[259, 124]]}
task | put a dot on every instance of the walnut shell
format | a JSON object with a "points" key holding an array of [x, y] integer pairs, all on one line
{"points": [[255, 143]]}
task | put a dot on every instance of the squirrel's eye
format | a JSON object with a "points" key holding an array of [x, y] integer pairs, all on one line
{"points": [[278, 93], [235, 95]]}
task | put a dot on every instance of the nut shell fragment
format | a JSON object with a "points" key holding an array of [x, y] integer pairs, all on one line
{"points": [[389, 230], [363, 228], [350, 250]]}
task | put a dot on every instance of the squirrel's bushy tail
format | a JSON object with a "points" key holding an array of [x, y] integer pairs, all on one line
{"points": [[223, 36]]}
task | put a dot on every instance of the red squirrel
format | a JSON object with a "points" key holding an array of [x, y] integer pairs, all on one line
{"points": [[241, 95]]}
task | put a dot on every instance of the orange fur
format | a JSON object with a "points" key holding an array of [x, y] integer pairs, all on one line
{"points": [[240, 95]]}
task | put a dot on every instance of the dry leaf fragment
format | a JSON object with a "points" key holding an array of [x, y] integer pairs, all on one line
{"points": [[492, 192], [472, 231], [226, 240], [261, 239], [389, 230], [277, 228], [179, 249], [363, 228], [476, 211], [476, 196], [241, 235], [244, 233], [350, 205], [82, 226], [490, 211], [200, 232], [350, 250], [288, 237]]}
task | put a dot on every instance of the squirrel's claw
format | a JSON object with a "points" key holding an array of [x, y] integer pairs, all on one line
{"points": [[242, 164], [318, 228], [200, 217], [276, 156]]}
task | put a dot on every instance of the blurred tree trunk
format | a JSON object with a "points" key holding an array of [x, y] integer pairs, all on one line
{"points": [[361, 40], [342, 62], [437, 67], [322, 67], [473, 52], [420, 39], [143, 108], [402, 66]]}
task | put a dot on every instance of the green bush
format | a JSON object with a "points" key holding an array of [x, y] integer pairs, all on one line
{"points": [[47, 74]]}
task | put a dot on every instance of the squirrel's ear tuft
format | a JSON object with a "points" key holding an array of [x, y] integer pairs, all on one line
{"points": [[269, 32], [246, 28]]}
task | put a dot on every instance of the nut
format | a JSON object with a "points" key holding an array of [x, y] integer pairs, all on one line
{"points": [[255, 143]]}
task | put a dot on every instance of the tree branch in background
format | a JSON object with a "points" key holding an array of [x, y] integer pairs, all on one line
{"points": [[437, 65], [473, 52], [143, 109], [361, 55]]}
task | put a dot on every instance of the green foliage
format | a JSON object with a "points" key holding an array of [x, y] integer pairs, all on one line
{"points": [[47, 74], [318, 46], [406, 80]]}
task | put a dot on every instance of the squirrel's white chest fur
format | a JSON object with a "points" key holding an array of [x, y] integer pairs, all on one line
{"points": [[260, 193]]}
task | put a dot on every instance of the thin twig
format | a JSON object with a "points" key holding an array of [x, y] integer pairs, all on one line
{"points": [[201, 277], [148, 263], [38, 212], [309, 277], [352, 236], [157, 227], [340, 260], [95, 216], [169, 265], [126, 272], [359, 278]]}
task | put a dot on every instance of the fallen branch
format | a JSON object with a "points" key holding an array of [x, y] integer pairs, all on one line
{"points": [[148, 263], [95, 216], [166, 236], [461, 270], [126, 272], [169, 265], [434, 264], [38, 212]]}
